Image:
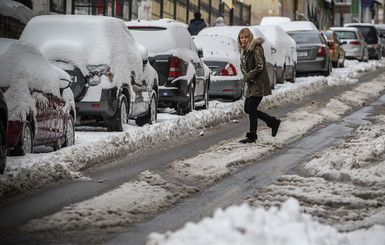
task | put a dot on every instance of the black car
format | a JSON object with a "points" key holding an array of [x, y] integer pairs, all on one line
{"points": [[3, 131], [183, 77]]}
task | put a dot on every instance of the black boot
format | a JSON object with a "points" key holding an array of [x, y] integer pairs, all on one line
{"points": [[274, 125], [250, 138]]}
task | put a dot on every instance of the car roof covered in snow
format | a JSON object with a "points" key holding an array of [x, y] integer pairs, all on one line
{"points": [[274, 20], [298, 26]]}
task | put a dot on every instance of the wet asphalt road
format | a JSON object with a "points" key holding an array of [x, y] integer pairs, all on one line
{"points": [[229, 191]]}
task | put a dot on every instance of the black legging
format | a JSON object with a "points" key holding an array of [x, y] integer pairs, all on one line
{"points": [[251, 108]]}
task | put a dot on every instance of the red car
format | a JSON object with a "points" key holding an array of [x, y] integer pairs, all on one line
{"points": [[41, 107]]}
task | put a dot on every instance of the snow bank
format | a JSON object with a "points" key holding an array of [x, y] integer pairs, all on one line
{"points": [[245, 225]]}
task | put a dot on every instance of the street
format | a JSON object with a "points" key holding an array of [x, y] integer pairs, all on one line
{"points": [[157, 178]]}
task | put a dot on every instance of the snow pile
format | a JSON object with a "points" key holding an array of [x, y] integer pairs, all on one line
{"points": [[245, 225]]}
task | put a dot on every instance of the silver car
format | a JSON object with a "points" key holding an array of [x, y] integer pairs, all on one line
{"points": [[221, 55], [372, 38], [353, 43]]}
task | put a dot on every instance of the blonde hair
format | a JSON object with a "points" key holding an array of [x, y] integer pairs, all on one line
{"points": [[245, 32]]}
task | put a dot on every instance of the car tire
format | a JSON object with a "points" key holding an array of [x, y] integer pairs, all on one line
{"points": [[25, 144], [120, 117], [70, 132], [152, 115], [272, 86], [3, 149], [191, 106], [294, 74], [329, 69], [206, 96]]}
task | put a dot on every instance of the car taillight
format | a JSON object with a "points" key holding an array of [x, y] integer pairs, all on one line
{"points": [[321, 51], [355, 43], [175, 67], [228, 71]]}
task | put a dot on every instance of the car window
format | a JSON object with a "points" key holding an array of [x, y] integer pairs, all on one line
{"points": [[346, 34], [327, 34], [306, 37], [336, 38], [369, 33]]}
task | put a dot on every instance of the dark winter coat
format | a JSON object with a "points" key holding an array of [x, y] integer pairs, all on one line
{"points": [[196, 25], [253, 66]]}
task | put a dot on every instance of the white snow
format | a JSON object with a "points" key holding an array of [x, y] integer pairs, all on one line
{"points": [[259, 220], [86, 41], [25, 72]]}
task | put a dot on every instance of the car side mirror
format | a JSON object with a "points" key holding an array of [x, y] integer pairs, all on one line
{"points": [[200, 52], [64, 83]]}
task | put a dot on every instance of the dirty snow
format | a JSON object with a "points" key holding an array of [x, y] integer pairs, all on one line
{"points": [[272, 216]]}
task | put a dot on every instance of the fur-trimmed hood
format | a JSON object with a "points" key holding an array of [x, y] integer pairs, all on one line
{"points": [[254, 43]]}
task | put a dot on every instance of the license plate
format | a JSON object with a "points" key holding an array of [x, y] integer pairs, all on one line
{"points": [[302, 54]]}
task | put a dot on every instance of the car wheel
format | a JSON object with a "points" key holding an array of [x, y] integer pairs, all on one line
{"points": [[3, 148], [120, 117], [329, 69], [274, 80], [151, 116], [191, 106], [70, 132], [206, 96], [293, 75], [25, 144]]}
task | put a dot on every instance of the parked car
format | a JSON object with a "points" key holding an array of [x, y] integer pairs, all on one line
{"points": [[183, 77], [313, 53], [381, 29], [3, 131], [40, 104], [221, 55], [114, 81], [336, 50], [353, 43], [372, 38], [274, 20], [269, 49], [286, 54]]}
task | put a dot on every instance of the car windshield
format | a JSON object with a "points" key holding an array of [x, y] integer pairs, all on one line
{"points": [[305, 37], [346, 34]]}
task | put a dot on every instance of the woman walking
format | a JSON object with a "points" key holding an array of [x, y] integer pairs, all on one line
{"points": [[253, 65]]}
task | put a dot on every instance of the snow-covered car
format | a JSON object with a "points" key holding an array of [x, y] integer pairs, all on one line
{"points": [[286, 54], [381, 29], [183, 77], [274, 20], [3, 131], [40, 104], [233, 31], [353, 43], [372, 37], [113, 79], [221, 55], [313, 53], [336, 49]]}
